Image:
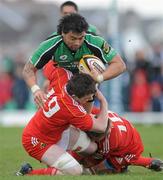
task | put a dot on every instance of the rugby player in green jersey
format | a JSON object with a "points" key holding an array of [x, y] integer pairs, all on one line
{"points": [[66, 8], [66, 48]]}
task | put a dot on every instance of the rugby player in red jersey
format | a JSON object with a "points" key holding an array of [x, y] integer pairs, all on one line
{"points": [[120, 147], [45, 138]]}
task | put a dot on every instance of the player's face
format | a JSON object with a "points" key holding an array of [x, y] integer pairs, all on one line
{"points": [[73, 40], [66, 10], [86, 99]]}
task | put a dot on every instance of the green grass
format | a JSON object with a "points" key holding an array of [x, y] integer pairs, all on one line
{"points": [[12, 155]]}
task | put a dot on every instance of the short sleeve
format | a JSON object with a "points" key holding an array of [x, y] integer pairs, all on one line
{"points": [[48, 69]]}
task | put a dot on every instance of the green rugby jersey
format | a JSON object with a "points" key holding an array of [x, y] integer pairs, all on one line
{"points": [[55, 49]]}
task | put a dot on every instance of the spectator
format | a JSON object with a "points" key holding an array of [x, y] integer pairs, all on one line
{"points": [[69, 7], [141, 63], [139, 93], [157, 63], [6, 84], [156, 97], [20, 89], [6, 81]]}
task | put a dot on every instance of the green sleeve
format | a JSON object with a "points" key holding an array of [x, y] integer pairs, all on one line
{"points": [[108, 51], [44, 52], [105, 51]]}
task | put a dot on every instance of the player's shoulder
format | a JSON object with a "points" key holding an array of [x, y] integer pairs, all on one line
{"points": [[52, 40], [74, 108], [93, 37], [94, 40]]}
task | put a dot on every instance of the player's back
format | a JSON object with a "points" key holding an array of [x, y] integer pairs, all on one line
{"points": [[121, 131], [57, 76], [123, 137]]}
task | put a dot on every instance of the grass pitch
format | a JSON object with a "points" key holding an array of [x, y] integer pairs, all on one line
{"points": [[12, 155]]}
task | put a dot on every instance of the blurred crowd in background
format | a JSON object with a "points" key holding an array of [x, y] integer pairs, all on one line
{"points": [[142, 87]]}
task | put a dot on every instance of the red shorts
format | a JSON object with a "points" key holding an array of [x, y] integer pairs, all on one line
{"points": [[35, 147]]}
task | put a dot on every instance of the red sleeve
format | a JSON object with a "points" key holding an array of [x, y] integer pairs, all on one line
{"points": [[84, 123], [48, 69]]}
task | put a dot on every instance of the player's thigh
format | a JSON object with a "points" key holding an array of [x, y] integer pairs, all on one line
{"points": [[57, 157], [74, 134], [80, 142], [52, 154], [73, 138]]}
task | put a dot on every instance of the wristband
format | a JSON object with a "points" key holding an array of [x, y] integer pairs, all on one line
{"points": [[100, 78], [34, 88]]}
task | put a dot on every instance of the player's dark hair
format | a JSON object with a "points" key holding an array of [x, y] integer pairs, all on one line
{"points": [[72, 22], [69, 3], [81, 85]]}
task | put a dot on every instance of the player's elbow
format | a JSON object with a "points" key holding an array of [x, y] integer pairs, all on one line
{"points": [[123, 66], [119, 64], [99, 127]]}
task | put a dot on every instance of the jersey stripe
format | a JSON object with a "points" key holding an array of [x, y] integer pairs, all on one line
{"points": [[47, 55], [96, 50]]}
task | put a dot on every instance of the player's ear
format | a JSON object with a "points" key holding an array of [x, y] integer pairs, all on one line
{"points": [[63, 34], [74, 97]]}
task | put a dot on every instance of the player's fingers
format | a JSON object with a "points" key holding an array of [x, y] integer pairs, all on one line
{"points": [[94, 72], [39, 100], [45, 97]]}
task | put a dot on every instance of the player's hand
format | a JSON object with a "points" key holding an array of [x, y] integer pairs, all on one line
{"points": [[98, 77], [94, 74], [39, 98]]}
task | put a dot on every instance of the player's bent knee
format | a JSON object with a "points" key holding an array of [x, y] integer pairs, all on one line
{"points": [[82, 143], [68, 165]]}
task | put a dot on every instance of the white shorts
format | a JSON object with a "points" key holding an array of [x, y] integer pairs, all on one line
{"points": [[64, 141]]}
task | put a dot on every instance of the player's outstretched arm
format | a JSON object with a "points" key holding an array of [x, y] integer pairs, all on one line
{"points": [[29, 74]]}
